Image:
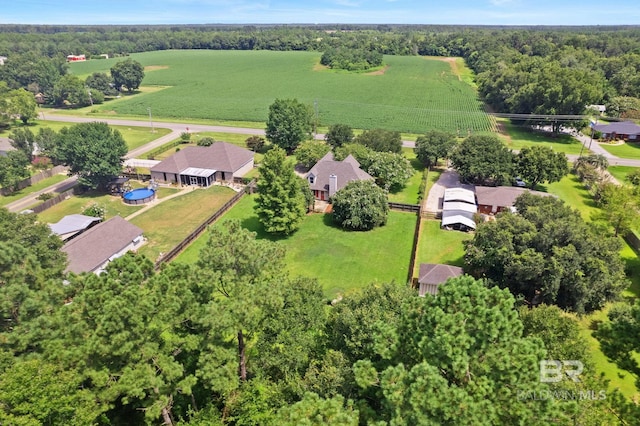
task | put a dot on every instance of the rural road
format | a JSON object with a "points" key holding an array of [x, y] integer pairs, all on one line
{"points": [[178, 128]]}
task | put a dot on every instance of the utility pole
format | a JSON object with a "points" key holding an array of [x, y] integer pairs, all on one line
{"points": [[315, 122], [150, 120]]}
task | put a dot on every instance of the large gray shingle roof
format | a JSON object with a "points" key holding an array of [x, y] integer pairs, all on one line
{"points": [[621, 128], [220, 156], [346, 171], [94, 247]]}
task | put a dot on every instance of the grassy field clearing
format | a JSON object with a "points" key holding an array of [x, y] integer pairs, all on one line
{"points": [[414, 94], [409, 194], [340, 260], [169, 222]]}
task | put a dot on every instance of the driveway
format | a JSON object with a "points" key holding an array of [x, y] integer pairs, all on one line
{"points": [[448, 179]]}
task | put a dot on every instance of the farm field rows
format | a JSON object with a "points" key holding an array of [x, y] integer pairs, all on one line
{"points": [[414, 94]]}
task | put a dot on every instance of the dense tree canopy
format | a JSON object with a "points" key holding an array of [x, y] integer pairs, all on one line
{"points": [[93, 151], [309, 152], [444, 362], [351, 59], [483, 160], [539, 164], [339, 134], [381, 140], [360, 206], [128, 73], [289, 123], [547, 254], [434, 145]]}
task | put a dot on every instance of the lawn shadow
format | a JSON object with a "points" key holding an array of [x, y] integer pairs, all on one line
{"points": [[253, 224]]}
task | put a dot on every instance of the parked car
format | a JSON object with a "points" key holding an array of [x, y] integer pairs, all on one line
{"points": [[519, 182]]}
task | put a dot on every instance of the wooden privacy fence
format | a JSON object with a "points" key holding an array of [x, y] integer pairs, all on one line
{"points": [[55, 200], [413, 208], [170, 255], [414, 248], [33, 180]]}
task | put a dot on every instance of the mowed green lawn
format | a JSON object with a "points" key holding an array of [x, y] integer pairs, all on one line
{"points": [[621, 172], [410, 192], [626, 150], [413, 94], [169, 222], [437, 245], [113, 206], [340, 260], [519, 137]]}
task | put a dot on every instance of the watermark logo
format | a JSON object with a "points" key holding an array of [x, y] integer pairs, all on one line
{"points": [[554, 371]]}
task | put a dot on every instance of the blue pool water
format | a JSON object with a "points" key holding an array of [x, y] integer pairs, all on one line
{"points": [[140, 194]]}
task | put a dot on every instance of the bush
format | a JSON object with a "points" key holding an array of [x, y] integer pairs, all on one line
{"points": [[206, 141], [185, 137], [45, 196], [255, 143], [360, 206], [94, 210]]}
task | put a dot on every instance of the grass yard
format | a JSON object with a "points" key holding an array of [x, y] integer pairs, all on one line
{"points": [[626, 150], [410, 192], [518, 137], [4, 200], [169, 222], [437, 245], [413, 94], [621, 172], [74, 205], [573, 192], [340, 260], [619, 379]]}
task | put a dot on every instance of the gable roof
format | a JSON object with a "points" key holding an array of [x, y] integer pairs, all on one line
{"points": [[72, 224], [95, 246], [621, 128], [502, 196], [459, 194], [431, 275], [220, 156], [347, 170]]}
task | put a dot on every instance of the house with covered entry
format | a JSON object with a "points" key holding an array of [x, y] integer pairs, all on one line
{"points": [[204, 165], [329, 176]]}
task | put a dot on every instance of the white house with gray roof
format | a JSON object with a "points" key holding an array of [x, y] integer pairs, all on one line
{"points": [[329, 176]]}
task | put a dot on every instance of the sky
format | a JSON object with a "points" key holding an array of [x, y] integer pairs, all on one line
{"points": [[457, 12]]}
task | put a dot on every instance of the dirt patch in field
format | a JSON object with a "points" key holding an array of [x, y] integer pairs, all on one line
{"points": [[379, 72], [319, 67], [451, 61], [156, 67]]}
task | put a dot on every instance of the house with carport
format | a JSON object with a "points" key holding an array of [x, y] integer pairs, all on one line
{"points": [[204, 165], [496, 199]]}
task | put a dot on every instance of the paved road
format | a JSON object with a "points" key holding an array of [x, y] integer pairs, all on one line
{"points": [[178, 128]]}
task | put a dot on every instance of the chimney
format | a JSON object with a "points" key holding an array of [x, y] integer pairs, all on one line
{"points": [[333, 185]]}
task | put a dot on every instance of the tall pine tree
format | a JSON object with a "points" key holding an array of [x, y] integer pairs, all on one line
{"points": [[280, 203]]}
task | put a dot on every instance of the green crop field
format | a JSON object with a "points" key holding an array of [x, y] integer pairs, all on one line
{"points": [[412, 94]]}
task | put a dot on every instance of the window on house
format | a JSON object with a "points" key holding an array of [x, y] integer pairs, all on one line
{"points": [[312, 179]]}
